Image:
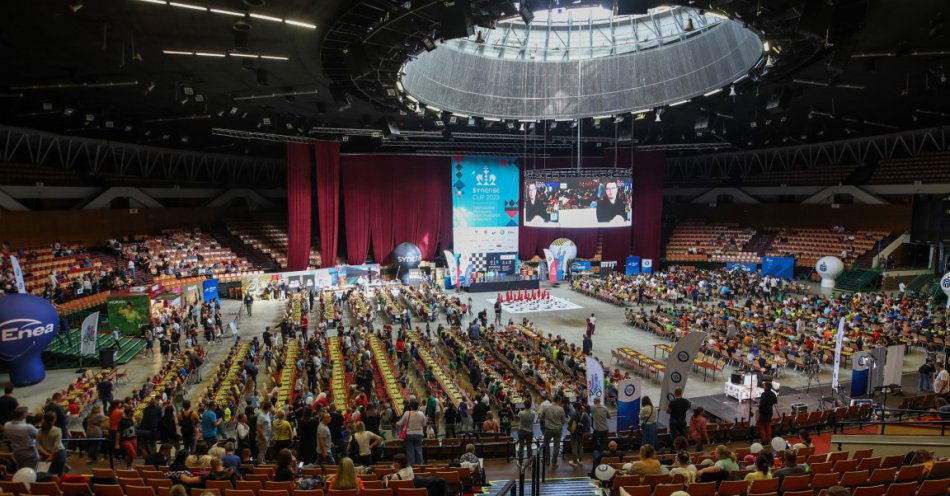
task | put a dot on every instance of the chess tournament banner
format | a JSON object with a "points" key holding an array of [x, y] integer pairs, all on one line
{"points": [[485, 193]]}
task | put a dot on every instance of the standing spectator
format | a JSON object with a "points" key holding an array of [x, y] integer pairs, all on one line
{"points": [[283, 432], [8, 405], [93, 430], [22, 438], [49, 441], [414, 422], [766, 404], [525, 428], [942, 380], [209, 424], [248, 303], [53, 405], [578, 428], [648, 416], [552, 419], [188, 422], [677, 410], [599, 416], [126, 441], [325, 441], [697, 429], [925, 376], [148, 428], [265, 431]]}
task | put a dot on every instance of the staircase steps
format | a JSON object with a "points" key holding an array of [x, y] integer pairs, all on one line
{"points": [[760, 242], [865, 261], [580, 486], [857, 280], [63, 352], [260, 260]]}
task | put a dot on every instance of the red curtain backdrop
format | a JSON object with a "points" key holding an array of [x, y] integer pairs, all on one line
{"points": [[408, 198], [617, 244], [648, 170], [360, 208], [327, 158], [298, 206]]}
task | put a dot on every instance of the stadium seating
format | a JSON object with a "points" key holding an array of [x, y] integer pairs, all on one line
{"points": [[696, 241], [927, 168], [809, 244], [822, 175], [268, 234]]}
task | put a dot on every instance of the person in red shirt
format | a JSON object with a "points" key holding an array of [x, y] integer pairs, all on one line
{"points": [[72, 408]]}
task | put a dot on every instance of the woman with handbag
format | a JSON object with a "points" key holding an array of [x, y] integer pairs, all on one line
{"points": [[411, 430], [647, 422]]}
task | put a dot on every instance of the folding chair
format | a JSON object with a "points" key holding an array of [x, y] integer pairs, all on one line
{"points": [[733, 488], [764, 486], [634, 491], [139, 491], [701, 489], [667, 489], [795, 483], [868, 491], [931, 487]]}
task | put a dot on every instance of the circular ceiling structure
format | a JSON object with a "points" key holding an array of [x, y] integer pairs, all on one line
{"points": [[575, 63]]}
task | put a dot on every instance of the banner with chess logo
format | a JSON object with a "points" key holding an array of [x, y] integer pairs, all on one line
{"points": [[485, 192]]}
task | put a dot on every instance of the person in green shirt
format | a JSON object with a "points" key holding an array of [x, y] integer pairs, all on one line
{"points": [[725, 463]]}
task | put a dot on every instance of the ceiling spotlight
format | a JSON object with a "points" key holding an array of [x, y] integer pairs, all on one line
{"points": [[618, 119], [188, 90], [453, 119], [511, 126], [769, 62], [521, 127], [689, 25], [659, 115], [641, 116], [68, 112], [110, 124], [234, 111], [266, 121], [439, 123], [289, 125], [471, 121], [184, 139], [300, 24], [128, 128], [345, 139], [184, 100], [47, 106], [574, 123], [75, 5], [428, 43], [407, 5], [527, 14], [90, 117], [480, 37], [732, 90]]}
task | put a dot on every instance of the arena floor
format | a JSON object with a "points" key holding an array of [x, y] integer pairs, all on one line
{"points": [[612, 332]]}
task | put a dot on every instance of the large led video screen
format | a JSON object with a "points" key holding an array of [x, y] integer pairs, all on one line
{"points": [[603, 201]]}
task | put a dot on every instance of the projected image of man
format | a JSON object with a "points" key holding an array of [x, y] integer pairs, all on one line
{"points": [[611, 205], [534, 206]]}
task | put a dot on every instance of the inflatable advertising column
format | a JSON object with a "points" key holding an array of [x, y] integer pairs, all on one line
{"points": [[27, 325], [829, 268]]}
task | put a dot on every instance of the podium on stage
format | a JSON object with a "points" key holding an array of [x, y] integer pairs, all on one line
{"points": [[748, 388]]}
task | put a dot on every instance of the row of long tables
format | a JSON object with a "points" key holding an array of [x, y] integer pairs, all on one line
{"points": [[639, 362], [462, 340], [397, 395], [338, 384], [452, 391]]}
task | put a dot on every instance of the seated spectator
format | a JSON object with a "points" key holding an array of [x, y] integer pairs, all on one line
{"points": [[684, 467], [346, 478], [790, 466], [719, 471], [761, 471], [402, 469], [648, 463], [805, 442]]}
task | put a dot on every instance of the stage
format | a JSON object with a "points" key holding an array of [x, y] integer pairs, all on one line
{"points": [[503, 284]]}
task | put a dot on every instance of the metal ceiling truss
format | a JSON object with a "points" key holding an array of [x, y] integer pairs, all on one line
{"points": [[115, 159], [849, 151]]}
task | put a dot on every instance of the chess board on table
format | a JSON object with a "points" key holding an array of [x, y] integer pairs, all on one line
{"points": [[551, 304]]}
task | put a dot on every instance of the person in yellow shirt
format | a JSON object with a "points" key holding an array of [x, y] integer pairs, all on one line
{"points": [[283, 432], [761, 471]]}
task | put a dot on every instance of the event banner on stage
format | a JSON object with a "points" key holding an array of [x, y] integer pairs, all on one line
{"points": [[485, 212], [628, 404], [678, 366]]}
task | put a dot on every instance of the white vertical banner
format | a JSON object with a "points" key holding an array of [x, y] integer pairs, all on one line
{"points": [[839, 339], [88, 333], [595, 380], [452, 267], [678, 366], [18, 275], [894, 364]]}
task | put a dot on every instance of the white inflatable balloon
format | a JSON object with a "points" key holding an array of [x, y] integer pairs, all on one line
{"points": [[755, 448], [778, 444], [566, 247], [25, 475], [829, 268], [604, 472]]}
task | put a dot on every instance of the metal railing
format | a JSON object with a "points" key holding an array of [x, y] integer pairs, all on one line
{"points": [[895, 417]]}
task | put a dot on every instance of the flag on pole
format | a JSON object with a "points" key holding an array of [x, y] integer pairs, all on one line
{"points": [[88, 332], [838, 343], [18, 275], [595, 380]]}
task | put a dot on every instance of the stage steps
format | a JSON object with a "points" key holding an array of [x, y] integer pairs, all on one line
{"points": [[857, 280], [63, 352], [579, 486]]}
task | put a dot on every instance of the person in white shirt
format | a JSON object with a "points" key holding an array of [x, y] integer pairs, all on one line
{"points": [[942, 380], [901, 288]]}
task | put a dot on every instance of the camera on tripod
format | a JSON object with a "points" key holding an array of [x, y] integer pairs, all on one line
{"points": [[811, 367]]}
